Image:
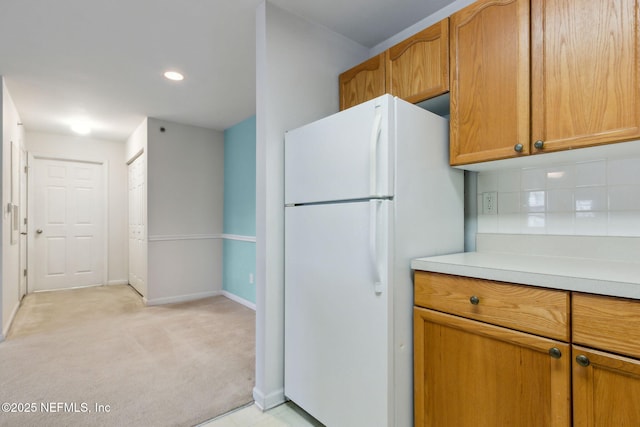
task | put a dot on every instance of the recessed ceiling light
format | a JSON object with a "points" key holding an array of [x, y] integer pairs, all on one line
{"points": [[173, 75], [81, 128]]}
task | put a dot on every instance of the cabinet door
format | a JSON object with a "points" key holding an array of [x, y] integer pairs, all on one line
{"points": [[363, 82], [586, 70], [605, 392], [418, 67], [490, 97], [469, 373]]}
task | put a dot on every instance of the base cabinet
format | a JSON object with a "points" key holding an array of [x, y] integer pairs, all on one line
{"points": [[606, 360], [489, 353], [469, 373], [606, 388]]}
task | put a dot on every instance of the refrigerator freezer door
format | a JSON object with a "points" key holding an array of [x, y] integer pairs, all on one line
{"points": [[337, 336], [346, 156]]}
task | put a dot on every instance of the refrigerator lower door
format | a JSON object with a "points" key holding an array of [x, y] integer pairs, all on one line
{"points": [[337, 318]]}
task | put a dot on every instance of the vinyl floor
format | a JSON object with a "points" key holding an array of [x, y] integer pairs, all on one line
{"points": [[285, 415]]}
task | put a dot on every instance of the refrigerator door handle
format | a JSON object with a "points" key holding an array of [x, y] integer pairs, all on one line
{"points": [[373, 151], [374, 207]]}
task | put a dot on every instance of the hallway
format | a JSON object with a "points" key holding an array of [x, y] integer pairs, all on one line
{"points": [[90, 349]]}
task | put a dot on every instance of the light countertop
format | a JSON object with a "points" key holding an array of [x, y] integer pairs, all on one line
{"points": [[603, 277]]}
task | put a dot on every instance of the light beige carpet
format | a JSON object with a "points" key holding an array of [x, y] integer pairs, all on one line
{"points": [[72, 353]]}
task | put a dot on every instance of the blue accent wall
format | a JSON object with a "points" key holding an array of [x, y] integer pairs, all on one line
{"points": [[240, 209]]}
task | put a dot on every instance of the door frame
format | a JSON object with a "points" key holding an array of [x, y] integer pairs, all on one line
{"points": [[24, 226], [31, 261]]}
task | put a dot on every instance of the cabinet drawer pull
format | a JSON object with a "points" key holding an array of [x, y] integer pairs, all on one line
{"points": [[583, 360], [474, 300], [555, 352], [539, 144], [518, 147]]}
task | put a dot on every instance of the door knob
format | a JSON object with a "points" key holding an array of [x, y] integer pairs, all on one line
{"points": [[583, 360], [39, 231], [555, 352]]}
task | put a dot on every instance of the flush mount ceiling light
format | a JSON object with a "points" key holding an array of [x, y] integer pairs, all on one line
{"points": [[81, 128], [173, 75]]}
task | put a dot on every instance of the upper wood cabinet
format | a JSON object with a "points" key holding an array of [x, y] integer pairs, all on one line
{"points": [[418, 67], [414, 70], [489, 81], [583, 62], [586, 68], [363, 82]]}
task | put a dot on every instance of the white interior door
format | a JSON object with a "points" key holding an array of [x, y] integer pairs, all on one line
{"points": [[137, 225], [68, 224]]}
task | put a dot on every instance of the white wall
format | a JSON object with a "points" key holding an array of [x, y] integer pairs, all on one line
{"points": [[110, 153], [137, 142], [420, 25], [185, 184], [10, 262], [298, 64]]}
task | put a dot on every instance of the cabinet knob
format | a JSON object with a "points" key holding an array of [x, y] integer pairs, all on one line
{"points": [[518, 147], [555, 352], [39, 231], [474, 300], [539, 144], [583, 360]]}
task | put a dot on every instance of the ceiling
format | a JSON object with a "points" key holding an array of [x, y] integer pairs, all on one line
{"points": [[102, 61]]}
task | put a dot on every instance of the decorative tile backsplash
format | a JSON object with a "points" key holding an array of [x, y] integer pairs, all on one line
{"points": [[595, 198]]}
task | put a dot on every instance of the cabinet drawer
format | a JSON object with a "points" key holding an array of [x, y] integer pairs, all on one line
{"points": [[539, 311], [607, 323]]}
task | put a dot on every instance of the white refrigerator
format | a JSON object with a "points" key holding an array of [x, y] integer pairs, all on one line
{"points": [[366, 190]]}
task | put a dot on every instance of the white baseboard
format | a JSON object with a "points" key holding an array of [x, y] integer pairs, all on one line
{"points": [[271, 400], [180, 298], [5, 330], [239, 300], [118, 282]]}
